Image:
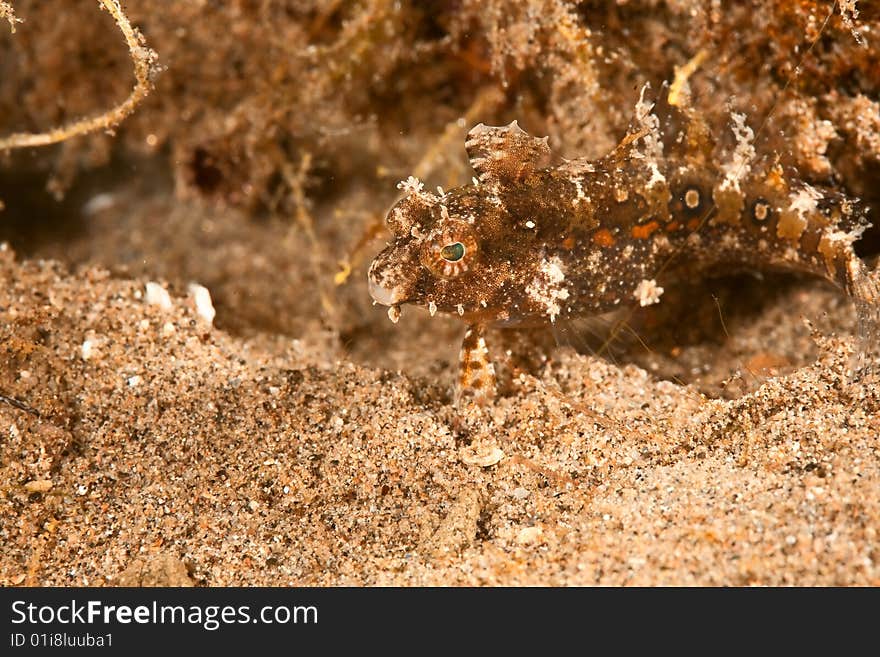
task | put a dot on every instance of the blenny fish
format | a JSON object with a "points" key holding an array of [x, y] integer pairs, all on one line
{"points": [[538, 239]]}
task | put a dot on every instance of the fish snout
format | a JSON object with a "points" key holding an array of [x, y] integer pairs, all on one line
{"points": [[383, 287]]}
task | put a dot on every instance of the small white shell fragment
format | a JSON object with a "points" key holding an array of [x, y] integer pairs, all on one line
{"points": [[530, 224], [86, 351], [432, 308], [156, 295], [460, 309], [484, 456], [133, 381], [204, 305], [520, 493], [394, 313], [98, 203], [530, 535]]}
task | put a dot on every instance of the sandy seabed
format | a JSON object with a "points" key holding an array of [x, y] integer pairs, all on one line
{"points": [[157, 448]]}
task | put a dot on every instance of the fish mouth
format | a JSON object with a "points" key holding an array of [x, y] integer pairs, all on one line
{"points": [[387, 296]]}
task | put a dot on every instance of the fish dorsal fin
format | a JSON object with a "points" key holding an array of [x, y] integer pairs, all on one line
{"points": [[684, 127], [505, 153], [661, 128]]}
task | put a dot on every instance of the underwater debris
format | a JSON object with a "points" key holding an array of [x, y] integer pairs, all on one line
{"points": [[145, 69]]}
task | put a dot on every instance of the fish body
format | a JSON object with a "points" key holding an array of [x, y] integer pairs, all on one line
{"points": [[538, 239]]}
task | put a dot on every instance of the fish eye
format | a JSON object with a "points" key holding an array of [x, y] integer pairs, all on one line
{"points": [[450, 250], [453, 252]]}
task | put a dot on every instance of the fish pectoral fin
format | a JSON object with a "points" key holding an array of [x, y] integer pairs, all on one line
{"points": [[607, 335], [476, 374], [863, 284]]}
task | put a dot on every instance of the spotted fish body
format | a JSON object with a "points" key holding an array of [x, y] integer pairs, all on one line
{"points": [[539, 239]]}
